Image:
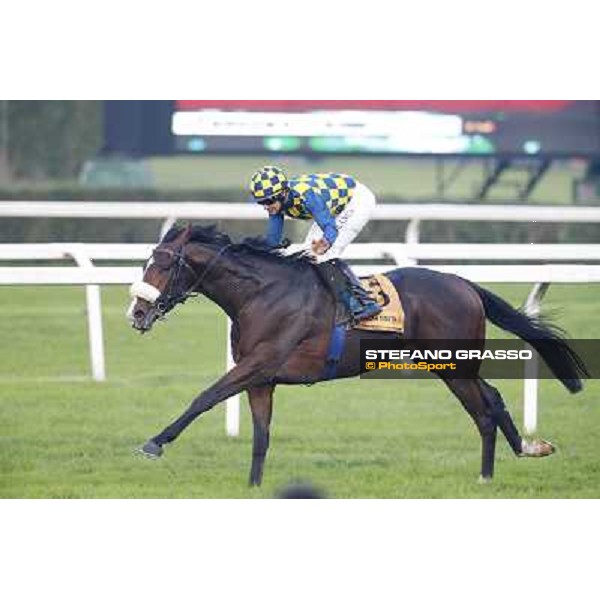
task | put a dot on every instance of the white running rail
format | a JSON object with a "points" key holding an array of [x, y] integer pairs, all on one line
{"points": [[86, 273], [413, 213]]}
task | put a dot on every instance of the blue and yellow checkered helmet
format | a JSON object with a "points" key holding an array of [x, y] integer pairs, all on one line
{"points": [[268, 182]]}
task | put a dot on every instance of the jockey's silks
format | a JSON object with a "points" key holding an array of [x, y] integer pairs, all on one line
{"points": [[322, 197], [335, 189]]}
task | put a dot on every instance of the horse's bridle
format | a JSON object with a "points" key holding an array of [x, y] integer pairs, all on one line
{"points": [[171, 296]]}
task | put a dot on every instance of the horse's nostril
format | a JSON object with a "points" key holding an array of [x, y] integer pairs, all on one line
{"points": [[138, 314]]}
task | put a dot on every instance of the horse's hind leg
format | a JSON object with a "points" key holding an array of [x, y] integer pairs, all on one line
{"points": [[471, 396], [521, 447], [502, 417]]}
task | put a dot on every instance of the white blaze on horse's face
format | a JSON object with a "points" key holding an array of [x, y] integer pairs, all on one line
{"points": [[142, 290]]}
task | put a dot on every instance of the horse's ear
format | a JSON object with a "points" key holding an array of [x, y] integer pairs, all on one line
{"points": [[186, 234]]}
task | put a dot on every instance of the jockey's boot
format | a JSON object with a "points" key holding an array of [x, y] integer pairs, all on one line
{"points": [[356, 299]]}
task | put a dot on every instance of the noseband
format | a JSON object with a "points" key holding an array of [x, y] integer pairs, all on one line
{"points": [[171, 296]]}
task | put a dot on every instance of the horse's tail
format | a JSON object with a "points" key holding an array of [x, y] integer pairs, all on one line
{"points": [[548, 339]]}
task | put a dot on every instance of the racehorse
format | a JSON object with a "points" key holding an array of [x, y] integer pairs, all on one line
{"points": [[282, 318]]}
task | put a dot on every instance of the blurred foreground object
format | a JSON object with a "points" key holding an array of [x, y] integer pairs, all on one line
{"points": [[300, 490]]}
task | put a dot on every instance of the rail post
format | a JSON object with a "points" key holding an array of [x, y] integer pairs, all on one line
{"points": [[531, 381], [232, 405], [94, 316]]}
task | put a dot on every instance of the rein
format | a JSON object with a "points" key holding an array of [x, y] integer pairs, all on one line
{"points": [[170, 297]]}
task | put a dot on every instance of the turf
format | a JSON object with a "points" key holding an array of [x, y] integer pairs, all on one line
{"points": [[65, 436]]}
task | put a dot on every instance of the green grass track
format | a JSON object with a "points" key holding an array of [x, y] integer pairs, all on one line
{"points": [[65, 436]]}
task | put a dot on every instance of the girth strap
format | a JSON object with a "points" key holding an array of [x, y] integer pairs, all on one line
{"points": [[335, 351]]}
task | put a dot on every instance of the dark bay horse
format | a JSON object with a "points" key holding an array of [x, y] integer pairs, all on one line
{"points": [[283, 315]]}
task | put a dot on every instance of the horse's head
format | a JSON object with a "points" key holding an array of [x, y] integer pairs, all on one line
{"points": [[168, 279]]}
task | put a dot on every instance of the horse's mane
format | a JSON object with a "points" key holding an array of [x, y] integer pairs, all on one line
{"points": [[248, 247]]}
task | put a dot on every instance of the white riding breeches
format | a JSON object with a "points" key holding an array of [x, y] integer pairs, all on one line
{"points": [[349, 223]]}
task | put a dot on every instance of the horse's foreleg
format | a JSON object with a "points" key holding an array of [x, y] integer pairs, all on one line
{"points": [[261, 405], [245, 374]]}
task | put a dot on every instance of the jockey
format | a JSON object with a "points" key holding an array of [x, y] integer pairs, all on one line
{"points": [[340, 207]]}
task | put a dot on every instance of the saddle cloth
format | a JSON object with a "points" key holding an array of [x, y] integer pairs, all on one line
{"points": [[391, 317]]}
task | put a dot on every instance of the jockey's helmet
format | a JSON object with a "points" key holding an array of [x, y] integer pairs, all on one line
{"points": [[267, 183]]}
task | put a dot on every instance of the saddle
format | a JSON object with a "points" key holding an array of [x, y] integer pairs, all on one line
{"points": [[391, 317], [380, 289]]}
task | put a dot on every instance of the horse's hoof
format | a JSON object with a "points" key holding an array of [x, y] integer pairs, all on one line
{"points": [[536, 448], [151, 450], [484, 480]]}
